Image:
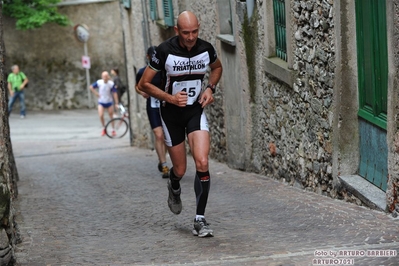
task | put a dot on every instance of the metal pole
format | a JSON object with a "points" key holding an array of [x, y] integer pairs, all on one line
{"points": [[87, 79], [146, 30], [122, 14]]}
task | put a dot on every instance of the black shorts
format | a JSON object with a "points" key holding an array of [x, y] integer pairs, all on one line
{"points": [[153, 115], [178, 122]]}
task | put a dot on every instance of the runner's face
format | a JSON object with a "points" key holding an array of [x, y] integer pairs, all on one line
{"points": [[105, 76], [15, 70], [188, 35]]}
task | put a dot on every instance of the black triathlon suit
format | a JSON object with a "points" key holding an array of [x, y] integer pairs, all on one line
{"points": [[183, 70]]}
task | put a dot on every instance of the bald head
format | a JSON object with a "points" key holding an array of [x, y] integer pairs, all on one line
{"points": [[187, 29], [105, 76], [187, 18]]}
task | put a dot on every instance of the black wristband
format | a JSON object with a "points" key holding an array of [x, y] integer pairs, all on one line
{"points": [[212, 87]]}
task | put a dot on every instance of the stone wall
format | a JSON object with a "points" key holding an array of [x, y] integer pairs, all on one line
{"points": [[393, 159], [298, 120], [51, 56], [293, 124], [9, 236]]}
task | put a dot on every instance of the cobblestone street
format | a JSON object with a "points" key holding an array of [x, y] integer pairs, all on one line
{"points": [[89, 200]]}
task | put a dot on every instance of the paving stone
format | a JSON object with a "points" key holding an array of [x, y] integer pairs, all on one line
{"points": [[90, 200]]}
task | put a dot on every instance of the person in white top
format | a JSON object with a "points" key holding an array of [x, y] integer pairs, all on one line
{"points": [[107, 95]]}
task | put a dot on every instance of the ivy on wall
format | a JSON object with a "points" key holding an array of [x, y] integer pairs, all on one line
{"points": [[250, 35]]}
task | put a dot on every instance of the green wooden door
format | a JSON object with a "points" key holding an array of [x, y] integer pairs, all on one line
{"points": [[371, 33]]}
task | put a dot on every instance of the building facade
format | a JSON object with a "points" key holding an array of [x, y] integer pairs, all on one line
{"points": [[308, 94], [51, 56]]}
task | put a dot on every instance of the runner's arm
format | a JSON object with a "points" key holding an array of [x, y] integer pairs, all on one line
{"points": [[214, 77], [93, 90], [179, 99], [138, 77], [216, 72]]}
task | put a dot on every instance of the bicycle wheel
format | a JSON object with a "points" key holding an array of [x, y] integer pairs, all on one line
{"points": [[116, 128]]}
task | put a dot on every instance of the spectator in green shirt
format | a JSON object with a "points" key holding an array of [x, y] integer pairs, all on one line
{"points": [[16, 85]]}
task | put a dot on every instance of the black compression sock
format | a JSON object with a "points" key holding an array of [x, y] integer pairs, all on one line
{"points": [[174, 180], [202, 184]]}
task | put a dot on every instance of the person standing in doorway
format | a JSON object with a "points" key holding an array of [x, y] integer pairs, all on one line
{"points": [[106, 95], [154, 117], [16, 83], [183, 61]]}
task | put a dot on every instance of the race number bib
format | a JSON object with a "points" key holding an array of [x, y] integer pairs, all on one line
{"points": [[192, 87], [154, 102]]}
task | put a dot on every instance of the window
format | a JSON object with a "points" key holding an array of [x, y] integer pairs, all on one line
{"points": [[168, 13], [153, 10], [279, 29], [278, 51], [162, 12], [226, 22], [126, 3]]}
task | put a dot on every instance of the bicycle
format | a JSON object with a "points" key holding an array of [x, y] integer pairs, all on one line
{"points": [[118, 127]]}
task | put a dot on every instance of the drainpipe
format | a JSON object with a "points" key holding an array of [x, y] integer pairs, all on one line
{"points": [[146, 29], [250, 8], [122, 14], [147, 43]]}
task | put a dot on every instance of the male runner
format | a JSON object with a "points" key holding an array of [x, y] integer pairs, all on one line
{"points": [[154, 116], [184, 60], [106, 95]]}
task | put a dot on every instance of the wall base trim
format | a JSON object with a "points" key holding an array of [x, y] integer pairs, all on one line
{"points": [[369, 194]]}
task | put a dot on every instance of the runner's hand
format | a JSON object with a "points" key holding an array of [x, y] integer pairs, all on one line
{"points": [[206, 97], [145, 95], [180, 99]]}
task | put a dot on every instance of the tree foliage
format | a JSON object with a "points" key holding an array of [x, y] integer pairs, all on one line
{"points": [[31, 14]]}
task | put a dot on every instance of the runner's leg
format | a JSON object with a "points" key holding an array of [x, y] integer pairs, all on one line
{"points": [[179, 161], [101, 114], [199, 142], [160, 144], [111, 114]]}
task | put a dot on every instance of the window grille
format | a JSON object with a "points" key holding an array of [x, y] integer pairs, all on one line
{"points": [[280, 28]]}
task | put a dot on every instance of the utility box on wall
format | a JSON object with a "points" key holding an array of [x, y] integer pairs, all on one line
{"points": [[126, 3]]}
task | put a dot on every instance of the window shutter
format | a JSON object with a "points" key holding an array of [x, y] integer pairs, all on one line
{"points": [[126, 3], [153, 10], [280, 28], [168, 13]]}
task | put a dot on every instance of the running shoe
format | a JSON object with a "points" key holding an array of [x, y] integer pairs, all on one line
{"points": [[103, 132], [160, 167], [174, 201], [113, 133], [201, 228], [165, 172]]}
